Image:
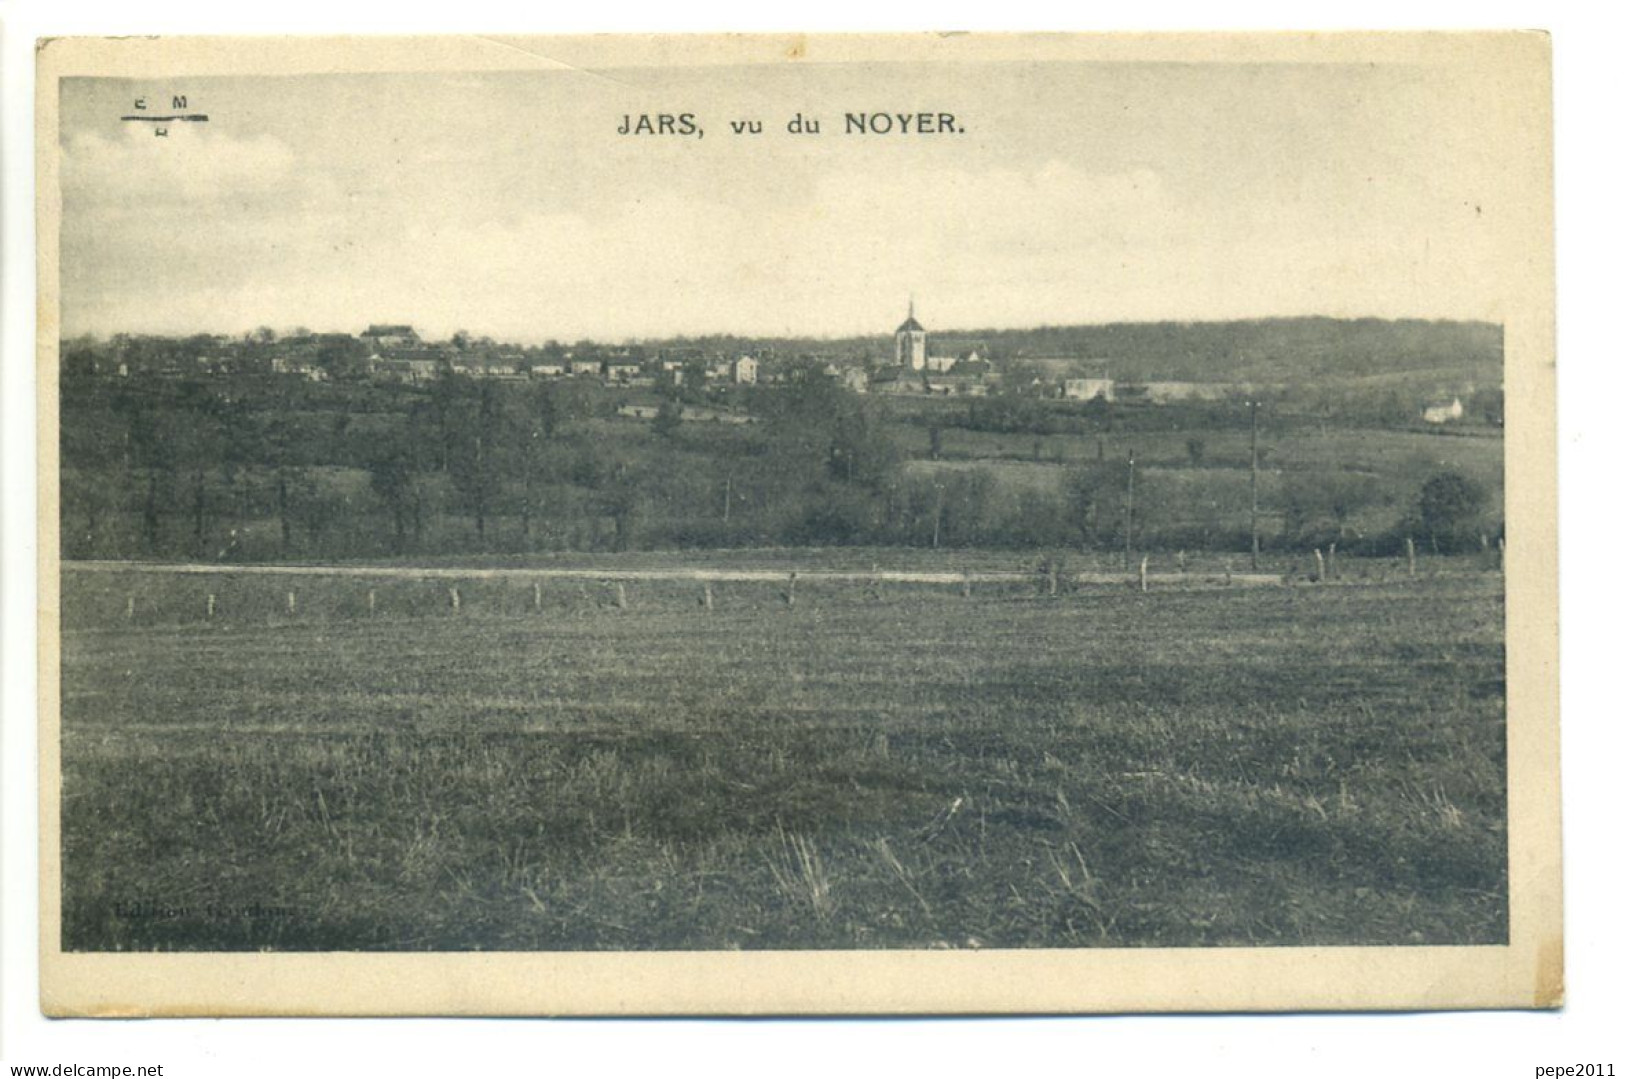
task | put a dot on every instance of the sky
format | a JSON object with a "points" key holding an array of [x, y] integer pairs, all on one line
{"points": [[506, 203]]}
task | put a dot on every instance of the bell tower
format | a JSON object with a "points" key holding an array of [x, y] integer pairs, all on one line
{"points": [[911, 342]]}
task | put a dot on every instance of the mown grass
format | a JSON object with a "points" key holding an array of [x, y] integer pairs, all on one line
{"points": [[1267, 766]]}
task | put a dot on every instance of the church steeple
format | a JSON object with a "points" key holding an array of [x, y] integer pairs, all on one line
{"points": [[910, 340]]}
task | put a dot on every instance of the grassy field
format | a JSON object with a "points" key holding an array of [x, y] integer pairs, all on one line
{"points": [[1266, 766]]}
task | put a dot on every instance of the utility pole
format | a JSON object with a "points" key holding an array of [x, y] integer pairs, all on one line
{"points": [[1252, 407], [1128, 528], [936, 525]]}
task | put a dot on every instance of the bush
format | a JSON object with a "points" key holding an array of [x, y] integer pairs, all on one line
{"points": [[1450, 512]]}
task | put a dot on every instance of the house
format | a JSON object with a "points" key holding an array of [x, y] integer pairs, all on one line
{"points": [[1444, 413], [1088, 389], [380, 336], [491, 364], [897, 380], [967, 378], [412, 365], [1164, 393], [745, 370], [298, 365]]}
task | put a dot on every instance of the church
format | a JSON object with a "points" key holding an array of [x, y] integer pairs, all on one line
{"points": [[915, 371], [910, 353]]}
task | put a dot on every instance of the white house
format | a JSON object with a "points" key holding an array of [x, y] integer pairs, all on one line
{"points": [[1444, 413], [1087, 389]]}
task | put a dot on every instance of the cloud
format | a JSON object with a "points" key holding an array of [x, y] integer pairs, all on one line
{"points": [[193, 166], [845, 258], [265, 242]]}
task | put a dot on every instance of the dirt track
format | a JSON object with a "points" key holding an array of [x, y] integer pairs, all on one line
{"points": [[674, 574]]}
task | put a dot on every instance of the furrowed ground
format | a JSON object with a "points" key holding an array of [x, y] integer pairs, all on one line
{"points": [[1260, 766]]}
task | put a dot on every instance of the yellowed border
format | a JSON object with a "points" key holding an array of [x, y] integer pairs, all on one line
{"points": [[1526, 973]]}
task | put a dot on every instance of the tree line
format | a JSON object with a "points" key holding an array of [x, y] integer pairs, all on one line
{"points": [[276, 469]]}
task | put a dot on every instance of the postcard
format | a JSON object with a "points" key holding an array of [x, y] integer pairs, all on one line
{"points": [[797, 524]]}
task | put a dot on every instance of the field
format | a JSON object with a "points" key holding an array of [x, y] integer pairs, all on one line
{"points": [[1283, 765]]}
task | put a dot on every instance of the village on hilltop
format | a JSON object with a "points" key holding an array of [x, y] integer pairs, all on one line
{"points": [[917, 363]]}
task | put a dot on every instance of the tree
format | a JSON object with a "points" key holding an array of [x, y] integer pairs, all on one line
{"points": [[861, 448], [245, 447], [95, 495], [621, 498], [390, 474], [344, 360], [1450, 511], [1092, 492], [195, 431], [692, 387], [316, 508], [277, 451], [1319, 507], [669, 418], [151, 453], [472, 463], [1490, 405], [530, 429], [444, 412]]}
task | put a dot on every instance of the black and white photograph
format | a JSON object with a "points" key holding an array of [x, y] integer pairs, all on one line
{"points": [[1055, 504]]}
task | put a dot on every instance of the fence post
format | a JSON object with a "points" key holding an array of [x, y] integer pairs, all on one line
{"points": [[1331, 562], [790, 591], [372, 601], [964, 585], [1320, 565], [209, 612], [705, 600], [1145, 585], [456, 599], [536, 595], [1501, 553], [1054, 583], [1180, 559], [293, 603], [1410, 555], [129, 608], [620, 595]]}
